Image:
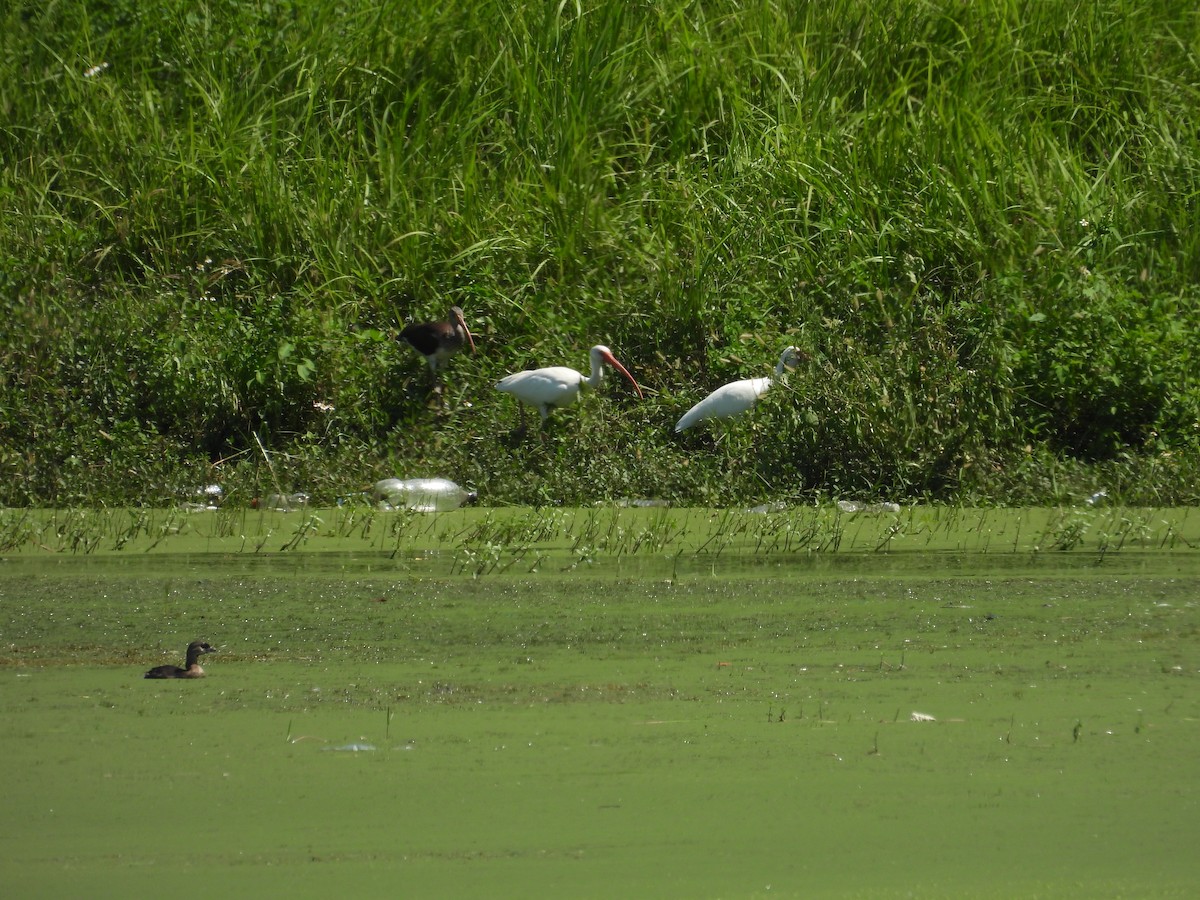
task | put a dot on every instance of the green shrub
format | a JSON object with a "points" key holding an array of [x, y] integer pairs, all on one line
{"points": [[977, 221]]}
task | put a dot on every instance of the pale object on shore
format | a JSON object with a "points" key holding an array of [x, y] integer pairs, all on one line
{"points": [[207, 497], [853, 506], [421, 494], [281, 502]]}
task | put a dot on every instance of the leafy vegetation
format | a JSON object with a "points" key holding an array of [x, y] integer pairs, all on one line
{"points": [[977, 222]]}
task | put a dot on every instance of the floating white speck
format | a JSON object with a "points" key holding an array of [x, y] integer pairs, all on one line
{"points": [[921, 717]]}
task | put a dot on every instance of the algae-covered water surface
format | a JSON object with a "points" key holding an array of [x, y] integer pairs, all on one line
{"points": [[598, 703]]}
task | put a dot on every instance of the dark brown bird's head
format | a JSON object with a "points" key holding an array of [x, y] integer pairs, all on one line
{"points": [[196, 649], [458, 320]]}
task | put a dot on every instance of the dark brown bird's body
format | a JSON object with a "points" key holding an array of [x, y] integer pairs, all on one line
{"points": [[195, 650], [438, 341]]}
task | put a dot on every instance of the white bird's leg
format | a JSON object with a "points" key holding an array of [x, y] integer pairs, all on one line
{"points": [[519, 433]]}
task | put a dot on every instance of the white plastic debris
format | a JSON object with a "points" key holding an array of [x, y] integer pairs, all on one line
{"points": [[765, 508], [281, 502], [421, 494], [205, 497], [854, 506]]}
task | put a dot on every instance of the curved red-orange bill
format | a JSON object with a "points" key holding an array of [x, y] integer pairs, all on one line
{"points": [[615, 363], [463, 322]]}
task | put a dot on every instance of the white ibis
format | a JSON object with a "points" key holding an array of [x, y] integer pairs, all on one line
{"points": [[438, 341], [557, 386], [737, 397]]}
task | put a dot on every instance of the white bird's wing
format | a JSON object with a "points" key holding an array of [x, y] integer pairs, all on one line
{"points": [[731, 399], [550, 386]]}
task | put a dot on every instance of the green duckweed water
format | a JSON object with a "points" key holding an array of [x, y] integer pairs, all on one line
{"points": [[696, 717]]}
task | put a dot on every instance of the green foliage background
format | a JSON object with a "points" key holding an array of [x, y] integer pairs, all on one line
{"points": [[978, 221]]}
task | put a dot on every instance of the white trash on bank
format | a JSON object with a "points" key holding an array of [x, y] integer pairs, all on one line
{"points": [[421, 494], [206, 497], [853, 506], [281, 502], [774, 506]]}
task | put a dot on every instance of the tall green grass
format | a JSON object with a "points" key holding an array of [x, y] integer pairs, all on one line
{"points": [[977, 220]]}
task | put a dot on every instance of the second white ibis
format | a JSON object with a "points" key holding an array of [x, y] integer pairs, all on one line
{"points": [[737, 397], [558, 386]]}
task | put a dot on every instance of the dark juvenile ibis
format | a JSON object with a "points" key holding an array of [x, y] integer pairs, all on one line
{"points": [[438, 341], [557, 386], [737, 397], [195, 650]]}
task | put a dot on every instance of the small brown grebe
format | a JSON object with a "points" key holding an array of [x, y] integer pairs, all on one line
{"points": [[195, 650]]}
